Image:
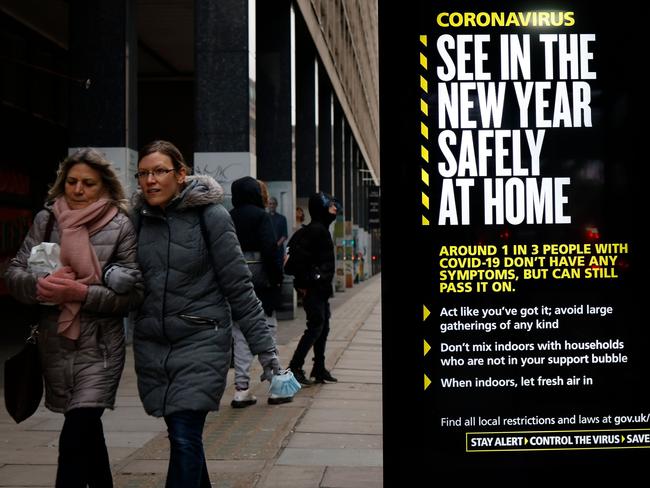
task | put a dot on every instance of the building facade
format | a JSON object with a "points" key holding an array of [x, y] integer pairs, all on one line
{"points": [[285, 91]]}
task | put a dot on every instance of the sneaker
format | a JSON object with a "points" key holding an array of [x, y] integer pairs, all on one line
{"points": [[299, 374], [243, 398], [278, 400], [322, 376]]}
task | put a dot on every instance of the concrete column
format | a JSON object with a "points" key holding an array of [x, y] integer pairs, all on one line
{"points": [[275, 157], [337, 142], [325, 167], [364, 198], [103, 47], [306, 155], [275, 164], [224, 38], [348, 141], [356, 184]]}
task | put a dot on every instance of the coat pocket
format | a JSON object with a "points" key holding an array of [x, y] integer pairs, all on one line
{"points": [[200, 321]]}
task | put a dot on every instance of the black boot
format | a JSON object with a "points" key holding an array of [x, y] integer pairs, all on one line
{"points": [[299, 374], [320, 374]]}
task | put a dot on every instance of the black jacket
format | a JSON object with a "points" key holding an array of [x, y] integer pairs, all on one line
{"points": [[255, 233], [319, 241]]}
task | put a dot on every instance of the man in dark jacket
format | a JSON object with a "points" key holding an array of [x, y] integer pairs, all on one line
{"points": [[279, 223], [316, 290]]}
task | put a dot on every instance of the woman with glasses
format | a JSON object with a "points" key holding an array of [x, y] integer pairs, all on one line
{"points": [[196, 283], [81, 329]]}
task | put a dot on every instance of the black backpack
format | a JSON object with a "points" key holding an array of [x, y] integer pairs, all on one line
{"points": [[299, 260]]}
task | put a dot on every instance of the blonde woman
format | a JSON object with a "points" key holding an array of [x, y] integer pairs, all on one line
{"points": [[81, 332]]}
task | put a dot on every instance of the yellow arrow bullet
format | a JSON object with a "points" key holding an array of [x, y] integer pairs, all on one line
{"points": [[525, 440], [427, 347], [427, 382], [425, 313]]}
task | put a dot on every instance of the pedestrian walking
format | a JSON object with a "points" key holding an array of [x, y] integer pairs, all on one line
{"points": [[315, 287], [81, 329], [259, 245], [196, 283]]}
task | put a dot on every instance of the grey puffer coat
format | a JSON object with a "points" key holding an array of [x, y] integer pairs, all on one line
{"points": [[195, 286], [85, 372]]}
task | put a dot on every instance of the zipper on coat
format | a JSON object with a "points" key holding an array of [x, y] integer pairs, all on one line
{"points": [[162, 317], [200, 320]]}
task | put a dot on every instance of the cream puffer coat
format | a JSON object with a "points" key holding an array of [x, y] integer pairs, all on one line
{"points": [[85, 372]]}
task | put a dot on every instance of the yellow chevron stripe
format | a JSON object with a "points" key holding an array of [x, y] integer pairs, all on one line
{"points": [[424, 107]]}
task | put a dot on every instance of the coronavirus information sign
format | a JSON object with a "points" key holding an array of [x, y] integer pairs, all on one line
{"points": [[513, 147]]}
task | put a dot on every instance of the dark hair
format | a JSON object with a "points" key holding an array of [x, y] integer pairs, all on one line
{"points": [[168, 149], [97, 161]]}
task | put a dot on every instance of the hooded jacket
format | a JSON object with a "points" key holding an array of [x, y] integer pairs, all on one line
{"points": [[196, 283], [256, 235], [85, 372], [319, 241]]}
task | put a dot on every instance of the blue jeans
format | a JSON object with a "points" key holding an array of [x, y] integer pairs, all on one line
{"points": [[187, 467]]}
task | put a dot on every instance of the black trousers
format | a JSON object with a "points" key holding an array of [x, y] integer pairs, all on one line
{"points": [[317, 308], [83, 457]]}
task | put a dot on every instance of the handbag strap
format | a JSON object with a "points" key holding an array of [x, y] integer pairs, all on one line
{"points": [[48, 228]]}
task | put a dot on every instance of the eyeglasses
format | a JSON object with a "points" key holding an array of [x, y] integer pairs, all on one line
{"points": [[157, 173]]}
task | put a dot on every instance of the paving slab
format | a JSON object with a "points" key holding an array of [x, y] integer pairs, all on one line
{"points": [[352, 457], [343, 413], [35, 475], [341, 426], [28, 455], [350, 394], [294, 477], [337, 424], [359, 376], [357, 477], [312, 440], [346, 403], [128, 439]]}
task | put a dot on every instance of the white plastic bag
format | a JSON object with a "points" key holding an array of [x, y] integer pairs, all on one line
{"points": [[44, 258]]}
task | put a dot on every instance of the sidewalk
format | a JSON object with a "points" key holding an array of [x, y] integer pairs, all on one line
{"points": [[330, 436]]}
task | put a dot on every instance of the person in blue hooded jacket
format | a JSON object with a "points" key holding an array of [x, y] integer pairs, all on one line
{"points": [[317, 291]]}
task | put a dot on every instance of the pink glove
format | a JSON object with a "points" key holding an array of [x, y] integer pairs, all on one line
{"points": [[54, 289]]}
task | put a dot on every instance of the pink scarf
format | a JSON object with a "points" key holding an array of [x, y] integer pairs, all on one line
{"points": [[75, 229]]}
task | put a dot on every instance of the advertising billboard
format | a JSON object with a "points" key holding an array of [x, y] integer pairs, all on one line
{"points": [[513, 147]]}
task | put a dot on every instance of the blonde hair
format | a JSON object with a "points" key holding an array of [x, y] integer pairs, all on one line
{"points": [[265, 193], [97, 161]]}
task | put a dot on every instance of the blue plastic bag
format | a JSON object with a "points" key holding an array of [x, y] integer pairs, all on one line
{"points": [[284, 384]]}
